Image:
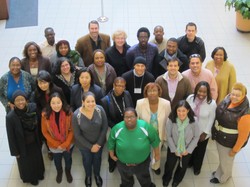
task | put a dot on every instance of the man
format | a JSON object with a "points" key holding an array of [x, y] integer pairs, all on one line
{"points": [[137, 79], [159, 41], [87, 44], [143, 48], [191, 44], [175, 86], [132, 140], [170, 52], [196, 74], [48, 47]]}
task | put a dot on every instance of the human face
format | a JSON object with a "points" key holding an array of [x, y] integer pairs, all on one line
{"points": [[143, 39], [158, 32], [89, 103], [173, 68], [99, 59], [153, 93], [65, 67], [171, 47], [219, 57], [191, 32], [32, 52], [56, 104], [119, 87], [20, 102], [139, 69], [202, 92], [85, 79], [63, 49], [120, 40], [236, 96], [50, 36], [195, 65], [130, 120], [15, 67], [43, 85], [182, 113], [93, 30]]}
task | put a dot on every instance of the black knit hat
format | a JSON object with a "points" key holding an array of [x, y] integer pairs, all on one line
{"points": [[140, 60], [18, 93]]}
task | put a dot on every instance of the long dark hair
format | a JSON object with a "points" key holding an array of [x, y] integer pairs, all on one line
{"points": [[57, 67], [27, 45], [46, 77], [182, 103], [65, 107], [197, 87]]}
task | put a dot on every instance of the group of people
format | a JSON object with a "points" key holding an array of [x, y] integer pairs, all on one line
{"points": [[151, 94]]}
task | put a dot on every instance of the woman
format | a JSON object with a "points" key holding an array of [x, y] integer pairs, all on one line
{"points": [[114, 104], [132, 140], [85, 84], [22, 130], [116, 54], [224, 72], [204, 108], [231, 131], [182, 134], [90, 127], [63, 50], [15, 79], [57, 129], [33, 60], [64, 76], [45, 87], [103, 73], [155, 111]]}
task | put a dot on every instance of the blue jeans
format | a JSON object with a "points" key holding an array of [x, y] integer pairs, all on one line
{"points": [[67, 158], [90, 159]]}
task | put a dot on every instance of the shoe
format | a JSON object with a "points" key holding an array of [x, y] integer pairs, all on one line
{"points": [[34, 183], [59, 176], [50, 156], [111, 169], [165, 183], [214, 180], [68, 175], [157, 172], [197, 172], [175, 184], [98, 181], [88, 181]]}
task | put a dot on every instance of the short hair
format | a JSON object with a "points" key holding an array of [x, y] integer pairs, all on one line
{"points": [[98, 50], [239, 86], [143, 29], [197, 87], [159, 27], [14, 58], [93, 22], [86, 94], [119, 33], [173, 40], [27, 45], [182, 103], [219, 48], [151, 85], [195, 56], [131, 109], [60, 43], [47, 29], [174, 59], [85, 70], [117, 79], [57, 66], [191, 24]]}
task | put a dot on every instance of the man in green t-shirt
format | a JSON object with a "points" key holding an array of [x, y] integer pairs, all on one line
{"points": [[130, 144]]}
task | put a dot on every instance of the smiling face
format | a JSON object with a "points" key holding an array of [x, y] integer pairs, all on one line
{"points": [[182, 113], [15, 67], [32, 52], [171, 47], [120, 40], [93, 30], [219, 57], [63, 49], [65, 67], [202, 92], [236, 96], [119, 87], [153, 93], [20, 102], [56, 104], [99, 59], [173, 68], [43, 85], [139, 69], [158, 32], [191, 32], [89, 103], [85, 79], [195, 65]]}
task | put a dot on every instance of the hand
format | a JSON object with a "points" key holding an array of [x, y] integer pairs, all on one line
{"points": [[232, 153], [114, 158], [184, 153], [12, 106], [95, 148], [59, 147], [157, 157], [203, 137], [177, 154]]}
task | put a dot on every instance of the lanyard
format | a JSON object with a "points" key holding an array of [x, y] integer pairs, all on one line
{"points": [[141, 81], [123, 104]]}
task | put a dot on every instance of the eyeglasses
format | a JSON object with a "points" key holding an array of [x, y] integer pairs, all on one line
{"points": [[195, 56], [152, 91], [129, 117]]}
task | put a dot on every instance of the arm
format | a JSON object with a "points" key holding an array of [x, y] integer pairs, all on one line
{"points": [[111, 145], [232, 79], [202, 50], [70, 136], [170, 139], [104, 129], [14, 151], [210, 119], [195, 139], [3, 87]]}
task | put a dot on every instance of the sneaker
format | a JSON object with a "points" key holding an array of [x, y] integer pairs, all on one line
{"points": [[214, 180], [68, 175], [158, 171], [59, 176]]}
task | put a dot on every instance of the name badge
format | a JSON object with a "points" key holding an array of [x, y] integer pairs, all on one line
{"points": [[137, 90]]}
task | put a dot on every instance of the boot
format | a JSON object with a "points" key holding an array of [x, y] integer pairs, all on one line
{"points": [[59, 176], [98, 181], [88, 181], [68, 175]]}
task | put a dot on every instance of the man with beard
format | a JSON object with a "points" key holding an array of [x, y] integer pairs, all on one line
{"points": [[147, 50]]}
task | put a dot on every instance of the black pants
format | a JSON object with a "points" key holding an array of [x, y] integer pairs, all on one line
{"points": [[198, 154], [170, 165], [141, 171]]}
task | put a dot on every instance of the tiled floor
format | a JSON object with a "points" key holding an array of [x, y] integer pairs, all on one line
{"points": [[69, 18]]}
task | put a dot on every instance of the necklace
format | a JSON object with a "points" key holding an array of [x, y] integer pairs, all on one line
{"points": [[123, 104]]}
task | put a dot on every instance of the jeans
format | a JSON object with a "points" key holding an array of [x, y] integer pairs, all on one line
{"points": [[90, 159], [67, 158]]}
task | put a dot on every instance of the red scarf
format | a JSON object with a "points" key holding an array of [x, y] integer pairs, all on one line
{"points": [[58, 135]]}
